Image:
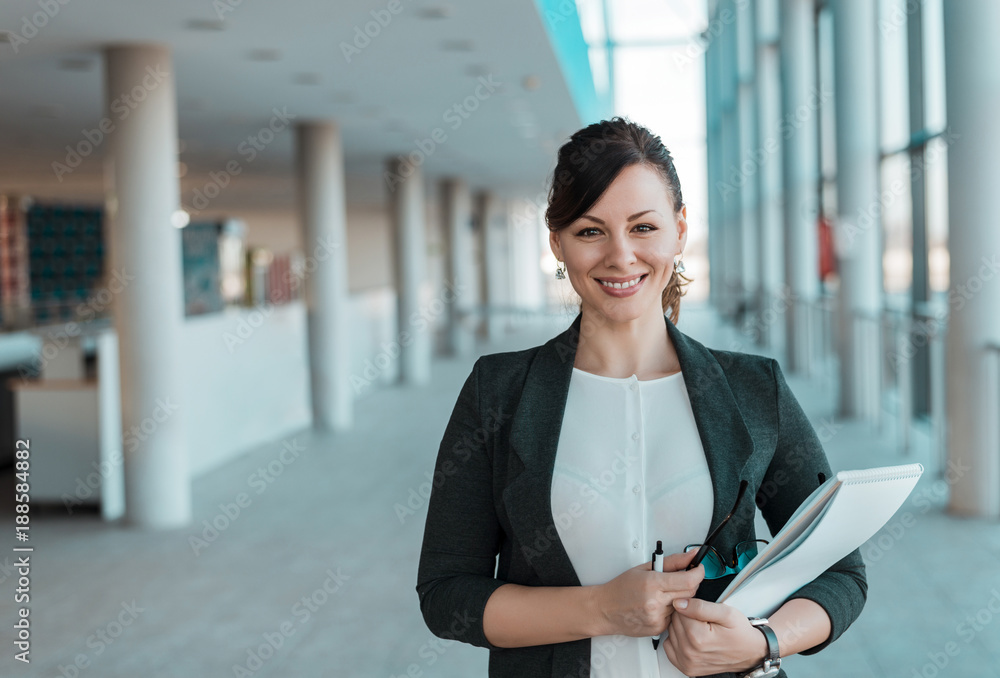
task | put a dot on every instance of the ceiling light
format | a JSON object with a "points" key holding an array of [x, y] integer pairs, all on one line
{"points": [[306, 78], [435, 12], [205, 24], [531, 82], [180, 219], [457, 45], [264, 54], [76, 64]]}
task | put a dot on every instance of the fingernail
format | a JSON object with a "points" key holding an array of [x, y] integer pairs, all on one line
{"points": [[681, 604]]}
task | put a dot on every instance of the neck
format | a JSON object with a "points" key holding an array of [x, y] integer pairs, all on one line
{"points": [[640, 346]]}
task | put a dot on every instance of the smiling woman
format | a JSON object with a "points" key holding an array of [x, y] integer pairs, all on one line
{"points": [[619, 434], [617, 219]]}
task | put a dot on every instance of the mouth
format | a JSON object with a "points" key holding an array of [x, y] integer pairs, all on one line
{"points": [[621, 283]]}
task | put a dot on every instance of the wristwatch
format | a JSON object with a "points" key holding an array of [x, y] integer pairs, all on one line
{"points": [[772, 662]]}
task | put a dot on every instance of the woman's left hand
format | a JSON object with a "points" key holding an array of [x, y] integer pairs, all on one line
{"points": [[707, 638]]}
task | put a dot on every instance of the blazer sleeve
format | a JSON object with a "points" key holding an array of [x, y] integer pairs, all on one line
{"points": [[791, 477], [455, 576]]}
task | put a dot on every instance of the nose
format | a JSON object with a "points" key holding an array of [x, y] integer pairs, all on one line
{"points": [[619, 252]]}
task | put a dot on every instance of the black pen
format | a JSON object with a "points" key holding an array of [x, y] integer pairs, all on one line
{"points": [[657, 567]]}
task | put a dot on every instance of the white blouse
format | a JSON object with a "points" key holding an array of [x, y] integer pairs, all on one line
{"points": [[629, 470]]}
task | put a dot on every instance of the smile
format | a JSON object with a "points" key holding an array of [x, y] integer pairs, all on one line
{"points": [[622, 285]]}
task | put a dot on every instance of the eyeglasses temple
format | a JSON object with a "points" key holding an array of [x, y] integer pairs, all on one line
{"points": [[715, 533]]}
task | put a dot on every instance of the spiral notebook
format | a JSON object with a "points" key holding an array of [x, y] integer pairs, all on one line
{"points": [[841, 515]]}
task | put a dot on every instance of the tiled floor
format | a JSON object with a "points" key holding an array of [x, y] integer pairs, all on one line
{"points": [[315, 576]]}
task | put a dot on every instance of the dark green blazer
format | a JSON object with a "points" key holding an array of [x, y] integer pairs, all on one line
{"points": [[490, 493]]}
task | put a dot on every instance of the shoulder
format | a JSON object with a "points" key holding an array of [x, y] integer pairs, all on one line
{"points": [[746, 370], [496, 370]]}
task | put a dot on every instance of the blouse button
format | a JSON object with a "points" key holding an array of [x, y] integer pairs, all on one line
{"points": [[634, 387], [635, 436], [636, 489], [635, 543]]}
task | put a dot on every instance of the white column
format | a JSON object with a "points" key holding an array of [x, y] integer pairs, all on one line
{"points": [[456, 203], [409, 225], [730, 188], [713, 144], [525, 230], [768, 91], [858, 233], [971, 54], [800, 111], [749, 156], [323, 211], [143, 192], [496, 255]]}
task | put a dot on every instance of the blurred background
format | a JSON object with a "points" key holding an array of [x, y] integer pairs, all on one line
{"points": [[249, 253]]}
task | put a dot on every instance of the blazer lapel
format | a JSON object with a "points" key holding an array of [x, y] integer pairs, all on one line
{"points": [[535, 432]]}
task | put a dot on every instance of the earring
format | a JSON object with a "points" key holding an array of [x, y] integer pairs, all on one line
{"points": [[679, 265], [560, 271]]}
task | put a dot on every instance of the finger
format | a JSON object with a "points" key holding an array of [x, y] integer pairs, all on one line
{"points": [[681, 582], [703, 610], [676, 638], [678, 561]]}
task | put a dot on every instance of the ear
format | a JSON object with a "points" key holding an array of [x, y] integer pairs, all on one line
{"points": [[682, 226], [555, 245]]}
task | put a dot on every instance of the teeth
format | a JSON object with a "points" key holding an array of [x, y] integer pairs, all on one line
{"points": [[622, 286]]}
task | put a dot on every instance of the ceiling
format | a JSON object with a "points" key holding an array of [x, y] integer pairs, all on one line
{"points": [[236, 60]]}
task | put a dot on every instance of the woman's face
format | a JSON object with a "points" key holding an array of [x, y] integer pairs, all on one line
{"points": [[631, 235]]}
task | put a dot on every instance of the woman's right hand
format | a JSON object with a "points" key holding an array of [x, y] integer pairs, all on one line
{"points": [[639, 601]]}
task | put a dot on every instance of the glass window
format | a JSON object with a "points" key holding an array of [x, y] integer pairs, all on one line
{"points": [[934, 91], [893, 87], [655, 20], [897, 216], [936, 172], [827, 113]]}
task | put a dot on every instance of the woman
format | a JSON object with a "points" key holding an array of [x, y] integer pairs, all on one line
{"points": [[571, 460]]}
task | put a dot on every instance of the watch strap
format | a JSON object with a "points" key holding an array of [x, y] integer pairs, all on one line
{"points": [[772, 662]]}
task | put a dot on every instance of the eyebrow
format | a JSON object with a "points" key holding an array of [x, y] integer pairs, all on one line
{"points": [[634, 216]]}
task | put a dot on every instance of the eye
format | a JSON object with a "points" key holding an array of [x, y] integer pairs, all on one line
{"points": [[583, 232], [649, 226]]}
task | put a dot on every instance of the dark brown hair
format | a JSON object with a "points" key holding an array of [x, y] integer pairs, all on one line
{"points": [[590, 161]]}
